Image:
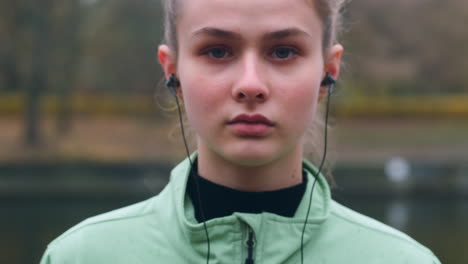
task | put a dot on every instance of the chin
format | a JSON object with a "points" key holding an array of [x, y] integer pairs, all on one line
{"points": [[250, 153], [249, 162], [251, 157]]}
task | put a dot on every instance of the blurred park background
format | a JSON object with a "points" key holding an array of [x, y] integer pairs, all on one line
{"points": [[85, 125]]}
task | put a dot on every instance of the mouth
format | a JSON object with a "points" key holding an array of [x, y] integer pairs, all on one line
{"points": [[251, 119], [251, 125]]}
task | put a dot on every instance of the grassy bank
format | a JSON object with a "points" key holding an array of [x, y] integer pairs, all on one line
{"points": [[103, 105]]}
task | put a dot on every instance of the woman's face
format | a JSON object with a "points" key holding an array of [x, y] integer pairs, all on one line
{"points": [[250, 73]]}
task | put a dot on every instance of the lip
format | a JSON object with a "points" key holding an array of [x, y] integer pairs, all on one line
{"points": [[251, 125], [251, 119]]}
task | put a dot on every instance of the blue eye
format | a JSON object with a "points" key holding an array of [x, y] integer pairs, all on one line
{"points": [[283, 53], [217, 53]]}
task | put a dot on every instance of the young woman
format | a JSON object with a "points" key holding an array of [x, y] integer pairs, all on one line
{"points": [[250, 74]]}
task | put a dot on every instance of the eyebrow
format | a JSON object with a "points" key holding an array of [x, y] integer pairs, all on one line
{"points": [[218, 33], [225, 34], [285, 33]]}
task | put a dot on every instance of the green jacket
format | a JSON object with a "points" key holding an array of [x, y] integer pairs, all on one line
{"points": [[163, 230]]}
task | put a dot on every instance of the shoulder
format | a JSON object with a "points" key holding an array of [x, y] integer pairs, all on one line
{"points": [[108, 234], [120, 217], [381, 238]]}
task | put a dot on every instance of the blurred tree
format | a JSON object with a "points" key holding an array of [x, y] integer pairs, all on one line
{"points": [[66, 57], [411, 47], [9, 75], [120, 43], [40, 32]]}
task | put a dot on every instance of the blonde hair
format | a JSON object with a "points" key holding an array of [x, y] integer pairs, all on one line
{"points": [[329, 12]]}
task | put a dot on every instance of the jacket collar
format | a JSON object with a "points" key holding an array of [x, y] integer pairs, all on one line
{"points": [[220, 228]]}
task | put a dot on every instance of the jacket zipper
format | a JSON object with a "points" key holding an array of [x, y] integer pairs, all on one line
{"points": [[250, 247]]}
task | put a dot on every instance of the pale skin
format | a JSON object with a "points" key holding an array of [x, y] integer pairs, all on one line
{"points": [[250, 57]]}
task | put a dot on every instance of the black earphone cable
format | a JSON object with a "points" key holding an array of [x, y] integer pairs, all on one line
{"points": [[316, 175], [197, 186], [173, 82]]}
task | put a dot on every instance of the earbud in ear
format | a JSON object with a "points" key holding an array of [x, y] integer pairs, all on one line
{"points": [[172, 83], [328, 81]]}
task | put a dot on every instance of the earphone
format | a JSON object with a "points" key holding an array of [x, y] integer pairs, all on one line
{"points": [[172, 83], [329, 81]]}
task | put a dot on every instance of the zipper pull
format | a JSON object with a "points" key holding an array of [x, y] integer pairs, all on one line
{"points": [[250, 246]]}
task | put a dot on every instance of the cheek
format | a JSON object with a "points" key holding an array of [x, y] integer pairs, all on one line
{"points": [[300, 95], [199, 87], [202, 99], [301, 102]]}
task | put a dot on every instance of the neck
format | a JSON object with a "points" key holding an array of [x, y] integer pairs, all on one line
{"points": [[283, 172]]}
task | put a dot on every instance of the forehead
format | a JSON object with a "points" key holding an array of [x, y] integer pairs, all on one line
{"points": [[247, 16]]}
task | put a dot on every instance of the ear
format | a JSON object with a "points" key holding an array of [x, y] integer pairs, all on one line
{"points": [[332, 66], [167, 60]]}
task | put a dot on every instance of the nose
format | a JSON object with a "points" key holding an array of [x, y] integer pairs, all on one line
{"points": [[251, 85]]}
